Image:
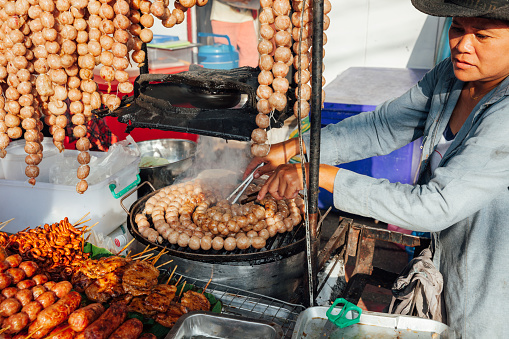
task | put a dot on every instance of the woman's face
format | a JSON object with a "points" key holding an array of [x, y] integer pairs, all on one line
{"points": [[479, 49]]}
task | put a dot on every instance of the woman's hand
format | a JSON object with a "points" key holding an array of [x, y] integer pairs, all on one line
{"points": [[286, 182], [279, 154]]}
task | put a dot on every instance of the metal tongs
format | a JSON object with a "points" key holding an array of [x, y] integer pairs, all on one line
{"points": [[237, 193]]}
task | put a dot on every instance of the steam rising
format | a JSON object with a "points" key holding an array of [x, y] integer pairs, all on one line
{"points": [[219, 163]]}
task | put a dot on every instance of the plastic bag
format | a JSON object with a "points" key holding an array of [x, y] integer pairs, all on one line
{"points": [[102, 241], [102, 165]]}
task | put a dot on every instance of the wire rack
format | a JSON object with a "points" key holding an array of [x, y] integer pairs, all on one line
{"points": [[252, 305]]}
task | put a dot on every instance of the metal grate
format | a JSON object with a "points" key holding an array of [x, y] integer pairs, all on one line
{"points": [[252, 305]]}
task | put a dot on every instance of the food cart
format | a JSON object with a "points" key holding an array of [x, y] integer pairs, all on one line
{"points": [[190, 246]]}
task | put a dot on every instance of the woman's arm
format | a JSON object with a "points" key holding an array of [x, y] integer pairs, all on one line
{"points": [[390, 126], [472, 178]]}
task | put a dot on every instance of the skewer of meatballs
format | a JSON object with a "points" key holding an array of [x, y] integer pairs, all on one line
{"points": [[48, 52], [279, 29]]}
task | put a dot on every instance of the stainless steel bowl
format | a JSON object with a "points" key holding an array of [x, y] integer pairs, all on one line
{"points": [[178, 152]]}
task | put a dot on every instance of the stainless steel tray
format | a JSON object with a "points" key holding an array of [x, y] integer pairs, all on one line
{"points": [[243, 303], [310, 324], [211, 325]]}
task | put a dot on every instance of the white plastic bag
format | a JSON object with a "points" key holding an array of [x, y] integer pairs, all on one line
{"points": [[102, 165]]}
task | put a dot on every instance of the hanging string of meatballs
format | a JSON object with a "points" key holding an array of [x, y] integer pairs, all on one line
{"points": [[48, 52], [277, 28]]}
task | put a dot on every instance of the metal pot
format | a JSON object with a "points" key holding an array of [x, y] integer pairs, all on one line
{"points": [[179, 153]]}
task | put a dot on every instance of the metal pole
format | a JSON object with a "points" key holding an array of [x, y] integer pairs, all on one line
{"points": [[144, 67], [314, 152]]}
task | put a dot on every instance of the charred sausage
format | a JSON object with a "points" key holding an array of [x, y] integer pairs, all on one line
{"points": [[9, 292], [24, 297], [47, 298], [13, 260], [4, 266], [38, 290], [16, 274], [54, 315], [9, 307], [49, 285], [29, 267], [32, 309], [62, 331], [5, 280], [108, 322], [81, 318], [40, 279], [25, 284], [62, 288], [16, 322], [130, 329]]}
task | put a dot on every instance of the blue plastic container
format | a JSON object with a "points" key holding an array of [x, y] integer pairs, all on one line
{"points": [[218, 56], [398, 166], [159, 38]]}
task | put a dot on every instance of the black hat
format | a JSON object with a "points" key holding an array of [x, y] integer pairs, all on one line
{"points": [[491, 9]]}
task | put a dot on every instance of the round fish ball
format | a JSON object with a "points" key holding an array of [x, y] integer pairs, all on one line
{"points": [[217, 243], [173, 237], [206, 243], [194, 243], [264, 234], [243, 242], [183, 239], [230, 244], [258, 242]]}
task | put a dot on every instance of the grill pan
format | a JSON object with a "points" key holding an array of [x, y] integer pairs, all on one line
{"points": [[280, 246]]}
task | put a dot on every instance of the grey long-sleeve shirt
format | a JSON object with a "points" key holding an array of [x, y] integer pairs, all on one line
{"points": [[465, 202]]}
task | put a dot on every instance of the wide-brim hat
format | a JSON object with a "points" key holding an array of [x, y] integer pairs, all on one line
{"points": [[491, 9]]}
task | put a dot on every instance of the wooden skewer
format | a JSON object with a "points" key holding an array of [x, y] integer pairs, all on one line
{"points": [[5, 329], [157, 257], [126, 246], [128, 254], [164, 263], [182, 289], [143, 253], [88, 229], [36, 330], [81, 223], [83, 217], [62, 330], [211, 275], [5, 223], [171, 275], [143, 257], [176, 284], [145, 250], [148, 256]]}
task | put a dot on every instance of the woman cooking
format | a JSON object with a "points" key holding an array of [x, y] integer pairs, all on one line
{"points": [[461, 110]]}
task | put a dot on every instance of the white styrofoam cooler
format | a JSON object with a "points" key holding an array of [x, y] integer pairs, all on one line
{"points": [[31, 206]]}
